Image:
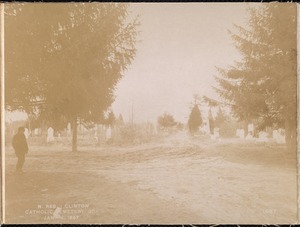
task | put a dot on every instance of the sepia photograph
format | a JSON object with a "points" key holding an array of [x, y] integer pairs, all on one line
{"points": [[149, 113]]}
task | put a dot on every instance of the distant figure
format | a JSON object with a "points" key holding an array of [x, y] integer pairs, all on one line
{"points": [[21, 148]]}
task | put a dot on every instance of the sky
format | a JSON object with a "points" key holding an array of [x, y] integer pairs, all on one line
{"points": [[180, 46]]}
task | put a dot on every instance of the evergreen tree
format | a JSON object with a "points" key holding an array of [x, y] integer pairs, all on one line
{"points": [[195, 120], [220, 118], [111, 119], [263, 85], [68, 64]]}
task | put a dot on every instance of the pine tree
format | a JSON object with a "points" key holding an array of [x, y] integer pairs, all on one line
{"points": [[263, 85], [68, 64], [195, 119], [220, 118]]}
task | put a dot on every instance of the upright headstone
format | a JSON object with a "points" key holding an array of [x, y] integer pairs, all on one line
{"points": [[249, 136], [240, 133], [108, 133], [26, 133], [217, 132], [36, 131], [50, 135], [278, 136], [69, 131], [262, 137], [212, 137], [96, 136], [251, 128], [59, 139]]}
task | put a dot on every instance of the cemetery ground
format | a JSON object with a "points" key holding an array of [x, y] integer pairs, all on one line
{"points": [[176, 179]]}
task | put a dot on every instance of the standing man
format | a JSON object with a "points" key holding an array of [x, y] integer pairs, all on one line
{"points": [[21, 148]]}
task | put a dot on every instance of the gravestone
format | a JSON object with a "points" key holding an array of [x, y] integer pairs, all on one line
{"points": [[108, 133], [251, 128], [217, 132], [96, 136], [36, 132], [50, 135], [249, 136], [240, 133], [69, 131], [262, 137], [278, 136], [59, 139], [26, 133]]}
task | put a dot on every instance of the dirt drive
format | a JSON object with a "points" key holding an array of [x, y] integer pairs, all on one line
{"points": [[175, 180]]}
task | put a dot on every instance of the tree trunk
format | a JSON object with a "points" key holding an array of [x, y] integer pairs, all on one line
{"points": [[43, 132], [245, 128], [74, 134]]}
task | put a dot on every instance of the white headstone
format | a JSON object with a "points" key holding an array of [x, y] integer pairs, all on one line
{"points": [[213, 137], [249, 136], [69, 131], [26, 133], [262, 137], [50, 135], [96, 136], [278, 136], [217, 132], [59, 139], [108, 133], [250, 128], [36, 132], [240, 133]]}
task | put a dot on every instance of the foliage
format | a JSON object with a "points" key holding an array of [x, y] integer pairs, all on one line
{"points": [[263, 85], [220, 118], [166, 121], [67, 64], [195, 119], [111, 119]]}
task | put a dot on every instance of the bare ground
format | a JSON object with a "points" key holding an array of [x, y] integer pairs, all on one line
{"points": [[176, 180]]}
